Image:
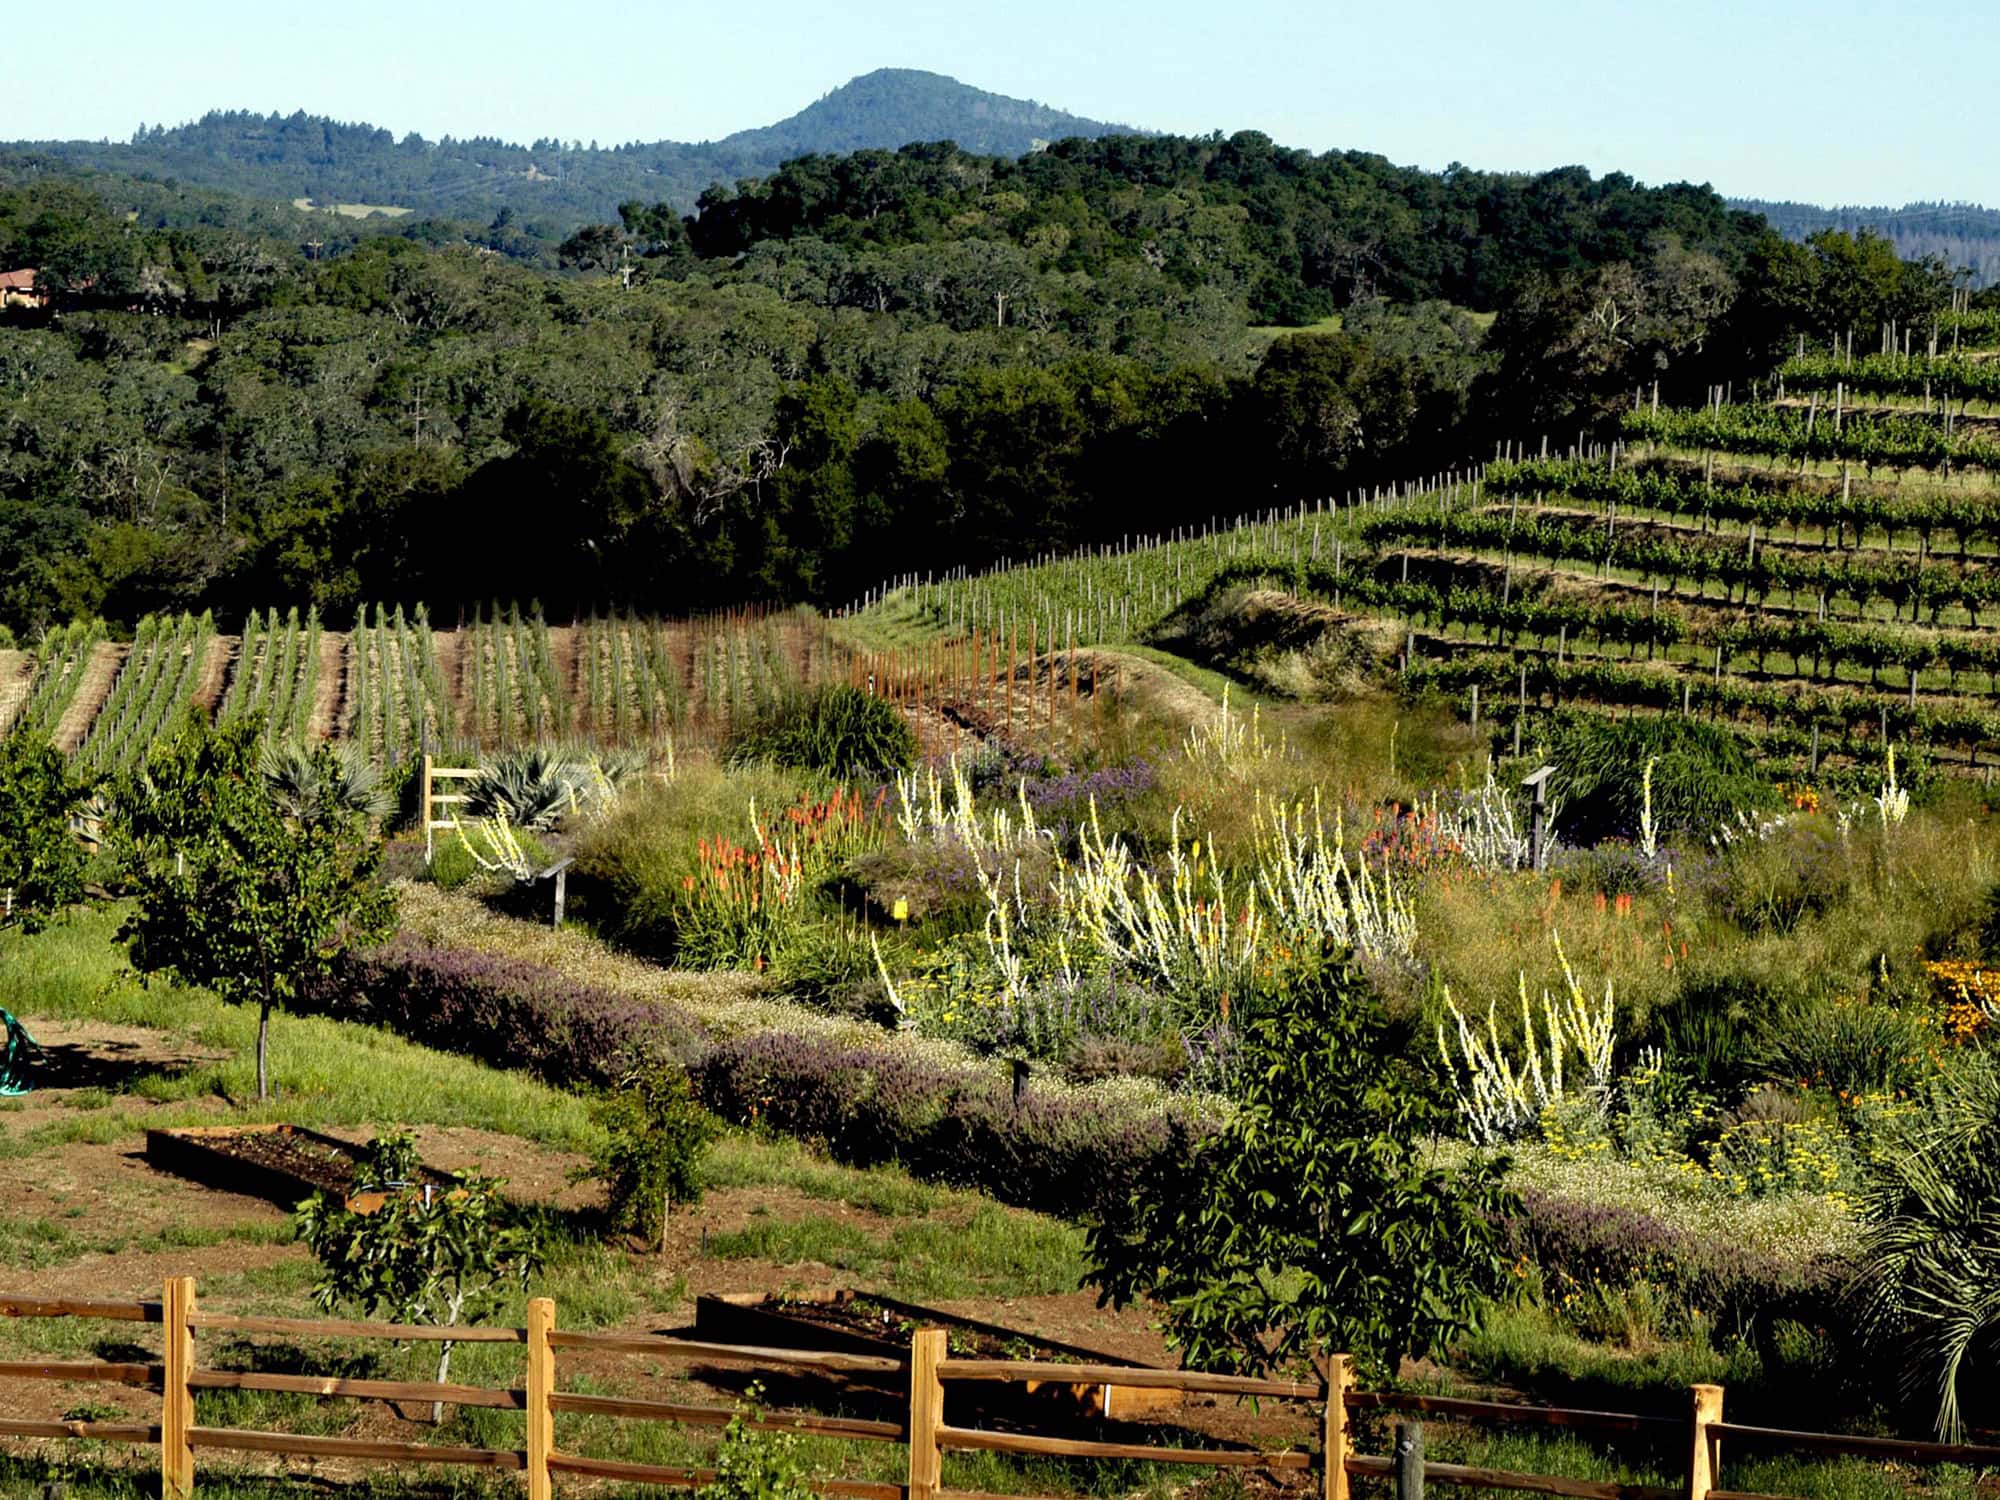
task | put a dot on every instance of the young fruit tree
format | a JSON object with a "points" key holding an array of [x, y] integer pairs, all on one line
{"points": [[434, 1254], [41, 859], [655, 1135], [1313, 1221], [237, 891]]}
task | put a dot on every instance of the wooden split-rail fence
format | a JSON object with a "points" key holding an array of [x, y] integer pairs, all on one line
{"points": [[930, 1371]]}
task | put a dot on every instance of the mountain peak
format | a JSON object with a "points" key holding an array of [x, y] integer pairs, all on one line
{"points": [[892, 107]]}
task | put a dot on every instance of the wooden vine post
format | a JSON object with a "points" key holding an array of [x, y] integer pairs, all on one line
{"points": [[1705, 1452], [1333, 1428], [176, 1389], [541, 1423], [927, 1352]]}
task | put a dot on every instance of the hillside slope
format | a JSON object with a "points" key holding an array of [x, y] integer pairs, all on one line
{"points": [[550, 182]]}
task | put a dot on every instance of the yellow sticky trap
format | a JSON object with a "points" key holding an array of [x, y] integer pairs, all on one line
{"points": [[901, 911]]}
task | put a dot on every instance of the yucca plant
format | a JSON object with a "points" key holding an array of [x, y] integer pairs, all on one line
{"points": [[305, 783], [1930, 1289], [537, 788]]}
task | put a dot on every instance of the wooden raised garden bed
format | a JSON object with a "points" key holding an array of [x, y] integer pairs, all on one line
{"points": [[284, 1163], [841, 1320]]}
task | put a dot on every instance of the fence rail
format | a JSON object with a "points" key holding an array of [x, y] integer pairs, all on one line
{"points": [[930, 1372]]}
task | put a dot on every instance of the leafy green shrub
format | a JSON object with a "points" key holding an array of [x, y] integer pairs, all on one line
{"points": [[233, 895], [441, 1256], [1704, 775], [833, 729], [1315, 1218], [41, 861], [655, 1136], [753, 1464]]}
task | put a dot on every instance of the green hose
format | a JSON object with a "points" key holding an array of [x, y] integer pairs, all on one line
{"points": [[19, 1058]]}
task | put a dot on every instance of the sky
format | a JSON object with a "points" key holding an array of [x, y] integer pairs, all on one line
{"points": [[1832, 101]]}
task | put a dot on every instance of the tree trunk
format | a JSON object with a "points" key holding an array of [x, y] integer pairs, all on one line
{"points": [[444, 1370], [264, 1052]]}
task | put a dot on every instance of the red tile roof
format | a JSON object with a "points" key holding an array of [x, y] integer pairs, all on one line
{"points": [[17, 281]]}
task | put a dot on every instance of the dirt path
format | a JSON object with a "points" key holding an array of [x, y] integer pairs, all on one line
{"points": [[566, 651], [106, 657], [223, 650], [450, 646], [329, 687], [17, 681]]}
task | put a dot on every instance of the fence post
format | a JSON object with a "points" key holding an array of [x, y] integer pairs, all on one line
{"points": [[541, 1386], [1409, 1461], [927, 1352], [1705, 1452], [424, 793], [176, 1394], [1333, 1431]]}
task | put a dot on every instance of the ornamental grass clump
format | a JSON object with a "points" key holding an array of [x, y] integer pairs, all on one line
{"points": [[835, 730]]}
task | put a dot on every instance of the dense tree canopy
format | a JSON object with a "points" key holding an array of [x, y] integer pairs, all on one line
{"points": [[854, 366]]}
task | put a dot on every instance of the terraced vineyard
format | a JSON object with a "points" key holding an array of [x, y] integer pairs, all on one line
{"points": [[393, 683], [1824, 578], [154, 684]]}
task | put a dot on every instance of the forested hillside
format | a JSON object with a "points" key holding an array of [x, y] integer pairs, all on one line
{"points": [[550, 186], [1965, 234], [858, 365]]}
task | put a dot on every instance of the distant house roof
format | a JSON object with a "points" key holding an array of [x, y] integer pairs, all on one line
{"points": [[17, 281]]}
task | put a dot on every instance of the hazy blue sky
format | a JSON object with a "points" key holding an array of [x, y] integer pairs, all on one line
{"points": [[1832, 100]]}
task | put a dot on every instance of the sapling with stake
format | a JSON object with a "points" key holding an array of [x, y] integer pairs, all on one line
{"points": [[437, 1254]]}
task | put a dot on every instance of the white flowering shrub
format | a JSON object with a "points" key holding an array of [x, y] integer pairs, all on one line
{"points": [[1484, 827], [1184, 931], [1892, 803], [941, 808], [1311, 889], [1501, 1098], [1229, 744]]}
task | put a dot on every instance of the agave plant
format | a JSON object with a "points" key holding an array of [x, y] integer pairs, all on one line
{"points": [[536, 789], [335, 778]]}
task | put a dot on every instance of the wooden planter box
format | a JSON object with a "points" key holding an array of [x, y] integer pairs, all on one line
{"points": [[762, 1321], [285, 1164]]}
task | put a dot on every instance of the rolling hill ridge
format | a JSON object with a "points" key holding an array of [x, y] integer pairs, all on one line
{"points": [[552, 184]]}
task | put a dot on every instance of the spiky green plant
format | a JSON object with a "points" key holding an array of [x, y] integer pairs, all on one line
{"points": [[538, 787], [1931, 1284], [307, 782], [833, 729]]}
